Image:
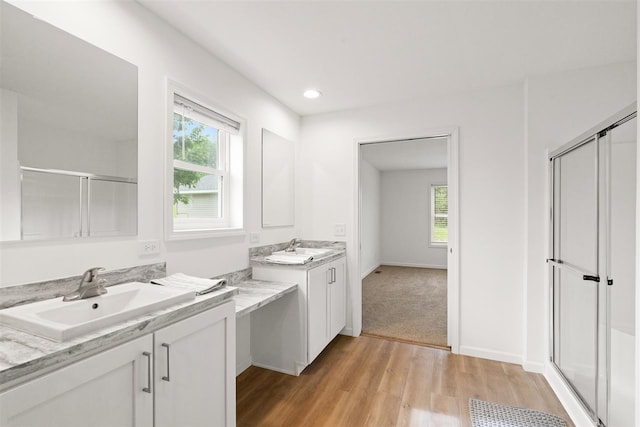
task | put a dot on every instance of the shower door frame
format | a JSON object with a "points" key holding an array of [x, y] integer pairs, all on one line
{"points": [[595, 134]]}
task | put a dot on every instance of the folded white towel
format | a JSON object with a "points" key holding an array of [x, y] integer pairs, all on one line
{"points": [[198, 284], [289, 258]]}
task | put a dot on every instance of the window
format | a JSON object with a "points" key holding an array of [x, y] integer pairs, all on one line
{"points": [[206, 152], [439, 215]]}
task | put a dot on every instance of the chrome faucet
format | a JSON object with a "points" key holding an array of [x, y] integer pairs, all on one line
{"points": [[90, 286], [293, 244]]}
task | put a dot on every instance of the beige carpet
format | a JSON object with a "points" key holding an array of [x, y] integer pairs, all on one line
{"points": [[406, 304]]}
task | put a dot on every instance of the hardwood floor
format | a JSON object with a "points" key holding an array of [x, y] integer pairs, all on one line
{"points": [[369, 381]]}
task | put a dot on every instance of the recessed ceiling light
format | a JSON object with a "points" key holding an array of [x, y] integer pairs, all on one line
{"points": [[312, 93]]}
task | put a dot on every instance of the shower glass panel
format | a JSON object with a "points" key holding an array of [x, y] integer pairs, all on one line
{"points": [[62, 204], [592, 266], [577, 219], [621, 211], [576, 355], [50, 205], [110, 204], [575, 255]]}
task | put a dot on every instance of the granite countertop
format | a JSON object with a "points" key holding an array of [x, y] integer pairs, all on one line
{"points": [[253, 294], [259, 261], [23, 355]]}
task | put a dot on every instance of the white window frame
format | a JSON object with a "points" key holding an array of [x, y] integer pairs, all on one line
{"points": [[432, 218], [231, 220]]}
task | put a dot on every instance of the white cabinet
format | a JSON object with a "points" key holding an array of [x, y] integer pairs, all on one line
{"points": [[102, 390], [187, 368], [326, 305], [306, 321], [195, 370]]}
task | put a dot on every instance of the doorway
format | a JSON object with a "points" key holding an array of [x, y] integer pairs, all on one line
{"points": [[407, 235]]}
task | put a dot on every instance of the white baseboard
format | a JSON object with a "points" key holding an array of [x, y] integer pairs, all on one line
{"points": [[408, 264], [484, 353], [242, 365], [348, 332], [536, 367], [282, 371], [571, 404], [371, 270]]}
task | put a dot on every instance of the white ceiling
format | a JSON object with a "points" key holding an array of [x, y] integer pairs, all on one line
{"points": [[424, 153], [362, 53]]}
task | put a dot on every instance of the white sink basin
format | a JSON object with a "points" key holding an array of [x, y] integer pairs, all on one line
{"points": [[62, 321], [307, 251]]}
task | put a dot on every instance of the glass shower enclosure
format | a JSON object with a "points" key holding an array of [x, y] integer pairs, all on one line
{"points": [[59, 204], [592, 267]]}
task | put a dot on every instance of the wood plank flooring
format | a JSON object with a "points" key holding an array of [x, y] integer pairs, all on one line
{"points": [[368, 381]]}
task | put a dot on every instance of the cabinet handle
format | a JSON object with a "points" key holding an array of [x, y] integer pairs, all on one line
{"points": [[147, 389], [167, 378], [333, 275]]}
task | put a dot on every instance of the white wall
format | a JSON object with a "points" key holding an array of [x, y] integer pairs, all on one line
{"points": [[370, 224], [559, 108], [160, 53], [492, 241], [406, 218], [97, 155], [10, 183]]}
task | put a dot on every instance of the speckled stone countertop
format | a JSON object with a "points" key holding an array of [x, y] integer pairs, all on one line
{"points": [[23, 355], [253, 294], [259, 260]]}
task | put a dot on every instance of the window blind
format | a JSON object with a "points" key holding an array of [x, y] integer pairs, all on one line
{"points": [[198, 112]]}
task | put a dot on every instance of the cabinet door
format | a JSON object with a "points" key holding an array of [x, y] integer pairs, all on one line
{"points": [[338, 299], [103, 390], [317, 303], [195, 370]]}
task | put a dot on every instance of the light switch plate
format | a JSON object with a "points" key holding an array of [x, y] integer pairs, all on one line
{"points": [[340, 230], [254, 237]]}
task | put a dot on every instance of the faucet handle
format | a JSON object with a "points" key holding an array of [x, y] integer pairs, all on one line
{"points": [[90, 274]]}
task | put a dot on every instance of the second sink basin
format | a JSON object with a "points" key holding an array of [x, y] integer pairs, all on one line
{"points": [[307, 251], [62, 321]]}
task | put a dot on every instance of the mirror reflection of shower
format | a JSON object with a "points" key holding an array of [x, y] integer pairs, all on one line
{"points": [[69, 134]]}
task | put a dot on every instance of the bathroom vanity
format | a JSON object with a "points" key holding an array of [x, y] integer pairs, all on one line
{"points": [[171, 367], [307, 320]]}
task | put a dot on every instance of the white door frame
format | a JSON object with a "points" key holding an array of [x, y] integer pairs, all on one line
{"points": [[453, 259]]}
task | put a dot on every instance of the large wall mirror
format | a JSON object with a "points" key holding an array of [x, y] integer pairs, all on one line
{"points": [[278, 178], [68, 134]]}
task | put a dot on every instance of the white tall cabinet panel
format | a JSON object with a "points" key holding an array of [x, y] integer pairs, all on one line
{"points": [[103, 390]]}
